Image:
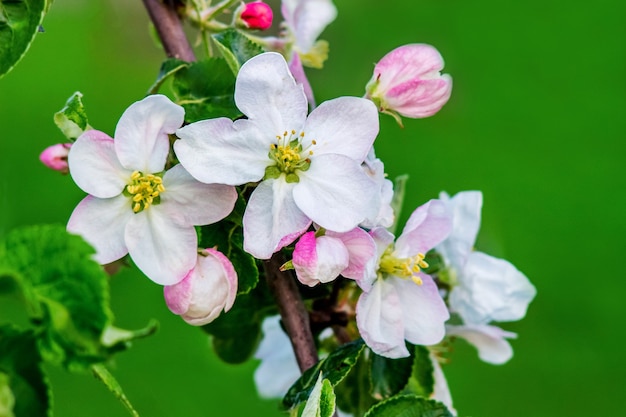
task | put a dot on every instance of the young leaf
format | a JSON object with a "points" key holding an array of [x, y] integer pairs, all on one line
{"points": [[389, 376], [334, 368], [24, 390], [422, 381], [19, 23], [72, 119], [408, 406], [103, 375], [168, 68], [321, 402], [205, 89], [236, 48]]}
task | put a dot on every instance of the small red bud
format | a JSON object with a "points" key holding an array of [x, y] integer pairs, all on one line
{"points": [[257, 15]]}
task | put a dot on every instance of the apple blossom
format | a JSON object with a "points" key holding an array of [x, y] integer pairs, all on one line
{"points": [[484, 288], [256, 15], [309, 169], [207, 290], [407, 81], [134, 206], [385, 215], [490, 341], [55, 157], [400, 302]]}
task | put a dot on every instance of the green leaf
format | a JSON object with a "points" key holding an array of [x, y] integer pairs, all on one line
{"points": [[422, 381], [389, 376], [409, 406], [321, 402], [102, 374], [24, 390], [72, 119], [19, 23], [334, 368], [205, 89], [354, 392], [399, 189], [170, 67], [236, 48]]}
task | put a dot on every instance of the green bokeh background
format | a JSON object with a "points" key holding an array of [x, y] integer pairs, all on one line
{"points": [[536, 121]]}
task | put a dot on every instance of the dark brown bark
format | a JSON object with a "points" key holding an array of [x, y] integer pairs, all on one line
{"points": [[170, 29]]}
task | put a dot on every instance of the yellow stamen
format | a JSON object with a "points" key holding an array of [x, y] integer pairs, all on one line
{"points": [[404, 268], [144, 190]]}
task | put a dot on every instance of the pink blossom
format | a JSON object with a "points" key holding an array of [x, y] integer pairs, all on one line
{"points": [[55, 157], [257, 15], [408, 82], [208, 289]]}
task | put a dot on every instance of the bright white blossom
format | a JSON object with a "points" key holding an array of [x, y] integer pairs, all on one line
{"points": [[208, 289], [407, 81], [384, 216], [485, 288], [309, 169], [400, 302], [134, 206], [323, 258], [490, 341]]}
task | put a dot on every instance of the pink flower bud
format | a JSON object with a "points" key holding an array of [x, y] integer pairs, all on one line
{"points": [[407, 81], [206, 291], [257, 15], [55, 157]]}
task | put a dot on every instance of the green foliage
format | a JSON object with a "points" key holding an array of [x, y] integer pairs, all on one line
{"points": [[168, 68], [236, 48], [321, 402], [20, 21], [72, 119], [354, 392], [408, 406], [24, 390], [334, 368], [422, 380], [103, 374], [389, 376], [205, 89]]}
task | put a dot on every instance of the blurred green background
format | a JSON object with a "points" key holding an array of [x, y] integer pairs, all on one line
{"points": [[536, 121]]}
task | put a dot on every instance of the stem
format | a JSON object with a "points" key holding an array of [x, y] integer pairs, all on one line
{"points": [[170, 30], [295, 317]]}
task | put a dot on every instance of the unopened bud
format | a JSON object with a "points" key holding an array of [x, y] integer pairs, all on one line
{"points": [[55, 157], [256, 15]]}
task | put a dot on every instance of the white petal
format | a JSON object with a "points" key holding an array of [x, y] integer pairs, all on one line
{"points": [[267, 93], [465, 209], [101, 223], [491, 289], [94, 165], [141, 135], [441, 392], [271, 215], [361, 249], [162, 249], [223, 152], [345, 125], [382, 239], [335, 193], [489, 340], [193, 202], [428, 225], [379, 319], [424, 312], [331, 257], [308, 19]]}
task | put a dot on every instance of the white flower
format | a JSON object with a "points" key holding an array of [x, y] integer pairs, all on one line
{"points": [[400, 302], [134, 207], [488, 289], [309, 168], [490, 341], [208, 289], [385, 215]]}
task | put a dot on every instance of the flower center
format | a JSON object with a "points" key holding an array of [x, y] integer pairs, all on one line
{"points": [[402, 267], [144, 190], [288, 156]]}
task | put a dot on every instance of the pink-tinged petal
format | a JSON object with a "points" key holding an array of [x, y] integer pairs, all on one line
{"points": [[101, 222], [271, 215], [428, 226], [408, 62], [379, 319], [382, 239], [465, 209], [267, 93], [94, 165], [420, 98], [361, 250], [441, 392], [193, 202], [424, 311], [163, 250], [141, 135], [297, 70], [345, 126], [319, 259], [335, 184], [230, 275], [307, 19], [224, 152], [178, 296], [55, 157], [490, 289], [490, 341]]}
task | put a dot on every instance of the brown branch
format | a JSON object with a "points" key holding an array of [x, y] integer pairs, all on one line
{"points": [[292, 311], [170, 30]]}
